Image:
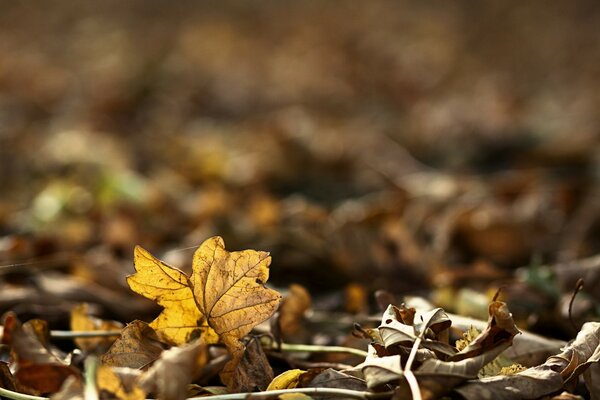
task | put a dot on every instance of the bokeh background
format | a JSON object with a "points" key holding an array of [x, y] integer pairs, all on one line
{"points": [[419, 147]]}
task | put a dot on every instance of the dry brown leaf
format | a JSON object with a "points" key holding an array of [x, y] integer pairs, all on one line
{"points": [[581, 353], [500, 331], [37, 367], [532, 383], [82, 321], [330, 378], [177, 367], [253, 371], [398, 325], [544, 379], [137, 347]]}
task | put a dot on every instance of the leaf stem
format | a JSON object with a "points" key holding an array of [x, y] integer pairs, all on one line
{"points": [[271, 394], [413, 384], [9, 394], [311, 348], [82, 334], [332, 392]]}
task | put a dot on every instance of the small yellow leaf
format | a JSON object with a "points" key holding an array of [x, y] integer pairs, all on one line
{"points": [[286, 380], [180, 320], [294, 396]]}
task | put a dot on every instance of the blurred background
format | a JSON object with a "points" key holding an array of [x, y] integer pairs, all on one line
{"points": [[433, 148]]}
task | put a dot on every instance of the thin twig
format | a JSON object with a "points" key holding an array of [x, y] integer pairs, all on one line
{"points": [[82, 334], [311, 348], [331, 392], [284, 346], [9, 394], [413, 384], [578, 288]]}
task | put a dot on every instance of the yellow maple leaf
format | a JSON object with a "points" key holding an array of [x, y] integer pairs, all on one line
{"points": [[180, 321], [222, 301]]}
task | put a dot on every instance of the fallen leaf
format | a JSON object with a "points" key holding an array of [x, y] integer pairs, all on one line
{"points": [[177, 367], [253, 370], [229, 290], [330, 378], [500, 331], [532, 383], [286, 380], [137, 347], [400, 327], [37, 367], [82, 321], [577, 356], [292, 310], [223, 300], [180, 320]]}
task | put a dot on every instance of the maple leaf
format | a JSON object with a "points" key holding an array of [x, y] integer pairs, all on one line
{"points": [[223, 300], [180, 321]]}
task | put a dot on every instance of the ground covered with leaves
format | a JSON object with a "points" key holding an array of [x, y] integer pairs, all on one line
{"points": [[299, 200]]}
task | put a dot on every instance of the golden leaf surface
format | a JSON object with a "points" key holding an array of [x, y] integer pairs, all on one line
{"points": [[180, 320], [229, 288]]}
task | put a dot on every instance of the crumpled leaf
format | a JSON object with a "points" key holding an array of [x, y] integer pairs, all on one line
{"points": [[180, 320], [437, 377], [546, 378], [500, 331], [137, 347], [37, 367], [177, 367], [82, 321], [581, 353], [403, 326], [532, 383]]}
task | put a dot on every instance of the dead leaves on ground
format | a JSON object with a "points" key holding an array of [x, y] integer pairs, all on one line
{"points": [[225, 298]]}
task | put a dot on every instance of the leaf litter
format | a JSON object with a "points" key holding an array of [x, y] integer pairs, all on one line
{"points": [[367, 148]]}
